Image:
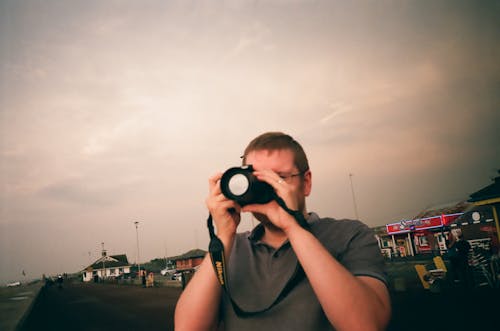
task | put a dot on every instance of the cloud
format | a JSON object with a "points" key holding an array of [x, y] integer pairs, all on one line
{"points": [[118, 111], [255, 38], [338, 109], [77, 193], [120, 133]]}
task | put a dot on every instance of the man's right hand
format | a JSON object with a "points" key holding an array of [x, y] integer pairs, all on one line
{"points": [[225, 213]]}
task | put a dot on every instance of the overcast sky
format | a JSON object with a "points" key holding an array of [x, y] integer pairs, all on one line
{"points": [[118, 111]]}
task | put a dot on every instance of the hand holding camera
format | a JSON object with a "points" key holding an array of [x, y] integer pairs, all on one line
{"points": [[225, 212], [254, 190]]}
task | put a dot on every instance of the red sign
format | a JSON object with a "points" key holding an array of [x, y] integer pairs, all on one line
{"points": [[413, 225], [450, 218]]}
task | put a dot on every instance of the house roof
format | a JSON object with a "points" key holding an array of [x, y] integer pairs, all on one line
{"points": [[487, 193], [194, 253], [113, 261], [459, 207]]}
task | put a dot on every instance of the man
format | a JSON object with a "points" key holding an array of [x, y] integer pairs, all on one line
{"points": [[343, 287], [459, 258]]}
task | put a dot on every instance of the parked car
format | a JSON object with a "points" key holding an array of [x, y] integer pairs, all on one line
{"points": [[14, 284], [168, 272]]}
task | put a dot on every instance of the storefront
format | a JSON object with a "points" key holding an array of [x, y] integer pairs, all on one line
{"points": [[419, 236], [478, 226], [482, 221]]}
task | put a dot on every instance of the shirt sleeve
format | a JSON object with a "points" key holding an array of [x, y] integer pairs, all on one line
{"points": [[362, 256]]}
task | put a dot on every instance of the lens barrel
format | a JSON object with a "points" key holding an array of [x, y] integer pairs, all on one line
{"points": [[239, 184]]}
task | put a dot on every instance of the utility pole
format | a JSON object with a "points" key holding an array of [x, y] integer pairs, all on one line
{"points": [[166, 256], [137, 236], [103, 258], [354, 198]]}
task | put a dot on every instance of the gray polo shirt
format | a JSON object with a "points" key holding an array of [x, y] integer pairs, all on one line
{"points": [[257, 273]]}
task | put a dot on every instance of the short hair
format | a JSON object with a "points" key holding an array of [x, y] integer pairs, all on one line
{"points": [[274, 141]]}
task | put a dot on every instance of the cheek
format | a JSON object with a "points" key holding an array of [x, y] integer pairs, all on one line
{"points": [[305, 187], [300, 189]]}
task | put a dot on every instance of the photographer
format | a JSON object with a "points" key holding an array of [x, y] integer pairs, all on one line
{"points": [[319, 274]]}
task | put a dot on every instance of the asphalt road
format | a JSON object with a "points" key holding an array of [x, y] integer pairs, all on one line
{"points": [[98, 307], [108, 307], [453, 309]]}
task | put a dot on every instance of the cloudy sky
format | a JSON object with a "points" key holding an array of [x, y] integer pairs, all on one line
{"points": [[118, 111]]}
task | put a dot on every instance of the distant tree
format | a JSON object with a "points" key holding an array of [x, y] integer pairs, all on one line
{"points": [[155, 265]]}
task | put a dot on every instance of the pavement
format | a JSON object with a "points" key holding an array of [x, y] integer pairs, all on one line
{"points": [[445, 306], [16, 304], [452, 309], [87, 306], [96, 307]]}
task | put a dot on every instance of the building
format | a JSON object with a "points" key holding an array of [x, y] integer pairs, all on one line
{"points": [[189, 260], [480, 223], [418, 236], [477, 218], [114, 266], [425, 234]]}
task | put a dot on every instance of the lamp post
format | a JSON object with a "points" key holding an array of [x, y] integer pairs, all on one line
{"points": [[103, 258], [137, 237], [354, 198]]}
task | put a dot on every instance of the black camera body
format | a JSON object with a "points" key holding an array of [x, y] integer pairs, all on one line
{"points": [[239, 184]]}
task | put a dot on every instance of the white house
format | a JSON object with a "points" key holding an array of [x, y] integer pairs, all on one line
{"points": [[113, 266]]}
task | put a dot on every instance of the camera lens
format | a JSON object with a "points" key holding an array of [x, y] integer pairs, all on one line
{"points": [[239, 184]]}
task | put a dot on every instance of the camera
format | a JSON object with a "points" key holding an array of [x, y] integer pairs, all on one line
{"points": [[239, 184]]}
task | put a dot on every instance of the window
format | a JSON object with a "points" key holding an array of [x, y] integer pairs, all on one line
{"points": [[385, 242], [422, 240]]}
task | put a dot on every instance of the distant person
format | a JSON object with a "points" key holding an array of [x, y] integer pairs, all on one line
{"points": [[458, 252], [143, 277], [60, 281], [151, 279], [341, 283]]}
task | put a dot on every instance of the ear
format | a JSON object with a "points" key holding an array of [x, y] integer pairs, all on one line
{"points": [[307, 183]]}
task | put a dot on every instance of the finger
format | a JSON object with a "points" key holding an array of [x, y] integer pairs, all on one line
{"points": [[255, 208], [231, 206], [213, 182], [220, 201], [219, 197], [249, 209], [234, 206], [282, 188], [271, 178], [214, 201]]}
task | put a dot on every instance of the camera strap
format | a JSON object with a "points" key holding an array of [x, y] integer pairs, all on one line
{"points": [[216, 251]]}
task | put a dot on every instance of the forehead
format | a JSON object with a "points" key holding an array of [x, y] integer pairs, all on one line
{"points": [[281, 160]]}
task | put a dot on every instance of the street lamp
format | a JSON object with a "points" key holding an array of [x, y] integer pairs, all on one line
{"points": [[103, 258], [354, 198], [137, 236]]}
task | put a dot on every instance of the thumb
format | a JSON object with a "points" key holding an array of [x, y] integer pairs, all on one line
{"points": [[254, 208]]}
